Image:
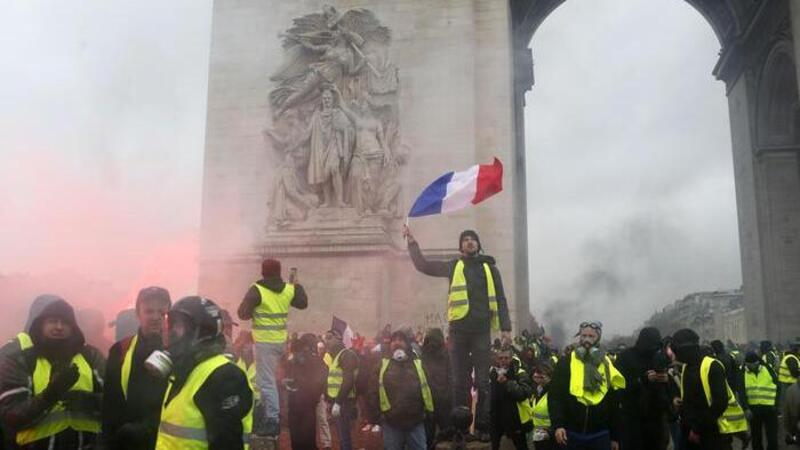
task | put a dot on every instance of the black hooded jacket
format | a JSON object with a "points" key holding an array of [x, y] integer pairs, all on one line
{"points": [[642, 399], [478, 319], [436, 362], [20, 408]]}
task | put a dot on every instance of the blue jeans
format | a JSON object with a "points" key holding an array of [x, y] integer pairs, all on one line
{"points": [[344, 424], [395, 439], [267, 358]]}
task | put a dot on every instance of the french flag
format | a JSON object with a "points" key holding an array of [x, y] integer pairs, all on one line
{"points": [[456, 190]]}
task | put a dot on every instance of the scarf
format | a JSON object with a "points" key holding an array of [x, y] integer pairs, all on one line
{"points": [[592, 361]]}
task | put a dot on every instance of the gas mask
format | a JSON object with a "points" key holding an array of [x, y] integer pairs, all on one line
{"points": [[159, 363], [400, 355]]}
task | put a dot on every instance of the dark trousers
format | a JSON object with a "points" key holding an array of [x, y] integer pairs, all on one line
{"points": [[437, 422], [765, 419], [470, 351], [581, 441], [708, 441], [344, 424], [517, 437], [644, 433], [303, 426]]}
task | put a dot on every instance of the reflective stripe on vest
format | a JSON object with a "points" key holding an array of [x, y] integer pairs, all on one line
{"points": [[606, 371], [58, 418], [784, 376], [759, 387], [182, 424], [732, 419], [541, 415], [458, 298], [336, 378], [427, 398], [125, 372], [24, 340], [269, 317]]}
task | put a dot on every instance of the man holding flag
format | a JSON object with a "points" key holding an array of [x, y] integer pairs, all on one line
{"points": [[476, 303]]}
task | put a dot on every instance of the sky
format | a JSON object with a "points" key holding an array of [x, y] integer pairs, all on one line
{"points": [[630, 180], [630, 173]]}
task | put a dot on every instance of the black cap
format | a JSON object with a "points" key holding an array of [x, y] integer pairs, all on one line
{"points": [[751, 357], [473, 235]]}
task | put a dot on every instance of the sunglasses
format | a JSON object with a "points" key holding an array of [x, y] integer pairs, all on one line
{"points": [[595, 325]]}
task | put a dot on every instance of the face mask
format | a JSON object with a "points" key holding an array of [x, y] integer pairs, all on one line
{"points": [[400, 355], [159, 363]]}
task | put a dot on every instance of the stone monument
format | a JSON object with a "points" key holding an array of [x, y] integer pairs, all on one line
{"points": [[325, 120]]}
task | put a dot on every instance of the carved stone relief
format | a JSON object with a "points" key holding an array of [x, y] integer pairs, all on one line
{"points": [[334, 124]]}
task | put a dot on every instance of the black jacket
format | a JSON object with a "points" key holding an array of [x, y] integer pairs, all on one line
{"points": [[567, 412], [504, 399], [132, 423], [404, 393], [224, 400], [696, 414], [436, 363], [20, 409], [478, 319]]}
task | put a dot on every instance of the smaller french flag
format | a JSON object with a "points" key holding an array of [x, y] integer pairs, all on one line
{"points": [[456, 190]]}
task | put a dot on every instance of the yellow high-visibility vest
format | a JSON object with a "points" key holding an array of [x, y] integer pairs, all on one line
{"points": [[24, 340], [336, 378], [269, 317], [58, 419], [732, 419], [458, 298], [607, 370], [125, 371], [182, 424], [759, 387], [784, 376], [427, 398], [541, 415], [250, 371]]}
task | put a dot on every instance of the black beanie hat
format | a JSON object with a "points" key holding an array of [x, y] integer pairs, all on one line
{"points": [[685, 337], [473, 235], [751, 357]]}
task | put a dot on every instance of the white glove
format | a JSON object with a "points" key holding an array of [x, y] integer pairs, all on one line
{"points": [[336, 410]]}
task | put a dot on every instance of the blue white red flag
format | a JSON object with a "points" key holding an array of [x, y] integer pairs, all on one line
{"points": [[456, 190]]}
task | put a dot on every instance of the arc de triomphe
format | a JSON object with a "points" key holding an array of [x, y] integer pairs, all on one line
{"points": [[325, 119]]}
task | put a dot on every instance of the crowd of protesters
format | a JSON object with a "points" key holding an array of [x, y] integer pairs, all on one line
{"points": [[184, 380]]}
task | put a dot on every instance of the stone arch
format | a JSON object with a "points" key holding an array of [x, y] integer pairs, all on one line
{"points": [[778, 106]]}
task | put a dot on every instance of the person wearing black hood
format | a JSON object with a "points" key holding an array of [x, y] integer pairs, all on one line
{"points": [[732, 373], [476, 307], [305, 381], [710, 414], [132, 395], [267, 303], [209, 403], [436, 363], [645, 401], [50, 393]]}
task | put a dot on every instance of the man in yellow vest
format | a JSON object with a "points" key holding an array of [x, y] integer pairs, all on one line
{"points": [[710, 413], [50, 393], [476, 306], [267, 303], [759, 401], [340, 391], [403, 394], [510, 395], [21, 342], [584, 395], [132, 395], [208, 403], [541, 438], [789, 370]]}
